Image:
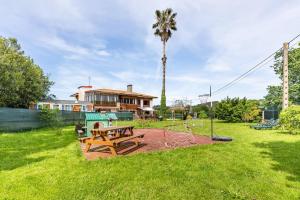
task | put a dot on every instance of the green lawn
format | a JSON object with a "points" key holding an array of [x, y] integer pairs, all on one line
{"points": [[44, 164]]}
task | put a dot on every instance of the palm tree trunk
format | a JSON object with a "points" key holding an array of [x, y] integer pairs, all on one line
{"points": [[164, 60], [163, 92]]}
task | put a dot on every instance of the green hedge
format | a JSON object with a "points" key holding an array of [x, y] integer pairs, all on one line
{"points": [[290, 119]]}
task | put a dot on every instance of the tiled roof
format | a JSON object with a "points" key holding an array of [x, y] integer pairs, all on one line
{"points": [[122, 92], [95, 116], [100, 116]]}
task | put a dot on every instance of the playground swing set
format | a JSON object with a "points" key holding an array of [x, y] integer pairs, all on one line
{"points": [[213, 136]]}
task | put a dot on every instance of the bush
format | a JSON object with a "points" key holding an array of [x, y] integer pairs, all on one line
{"points": [[202, 110], [202, 115], [189, 117], [290, 119], [51, 118], [238, 110]]}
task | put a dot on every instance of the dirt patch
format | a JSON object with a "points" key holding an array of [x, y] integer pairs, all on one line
{"points": [[154, 140]]}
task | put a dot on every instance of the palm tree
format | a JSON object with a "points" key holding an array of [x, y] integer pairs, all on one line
{"points": [[164, 25]]}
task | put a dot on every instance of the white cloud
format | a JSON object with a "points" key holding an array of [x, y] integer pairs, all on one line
{"points": [[102, 53], [72, 51], [69, 77], [56, 43], [216, 41]]}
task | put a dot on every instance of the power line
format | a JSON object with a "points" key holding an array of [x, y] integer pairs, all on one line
{"points": [[245, 76], [291, 46], [250, 70], [246, 73], [294, 38]]}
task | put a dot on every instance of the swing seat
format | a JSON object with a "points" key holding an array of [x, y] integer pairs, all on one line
{"points": [[221, 138]]}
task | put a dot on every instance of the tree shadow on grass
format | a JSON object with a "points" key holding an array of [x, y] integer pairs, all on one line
{"points": [[286, 156], [17, 150]]}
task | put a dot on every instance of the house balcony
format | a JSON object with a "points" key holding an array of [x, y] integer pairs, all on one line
{"points": [[105, 103], [125, 106]]}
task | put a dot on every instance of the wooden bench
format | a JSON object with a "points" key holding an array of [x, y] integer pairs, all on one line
{"points": [[126, 138], [83, 139], [111, 137]]}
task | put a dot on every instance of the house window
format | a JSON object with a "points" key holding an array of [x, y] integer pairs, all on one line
{"points": [[88, 97], [128, 101], [68, 107], [56, 106], [146, 103], [40, 106]]}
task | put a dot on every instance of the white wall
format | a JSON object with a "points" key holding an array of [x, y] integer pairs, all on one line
{"points": [[81, 93], [142, 103]]}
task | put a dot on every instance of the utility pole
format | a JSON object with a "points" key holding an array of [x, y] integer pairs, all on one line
{"points": [[285, 98]]}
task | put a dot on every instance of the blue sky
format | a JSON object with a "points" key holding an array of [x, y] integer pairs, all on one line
{"points": [[112, 41]]}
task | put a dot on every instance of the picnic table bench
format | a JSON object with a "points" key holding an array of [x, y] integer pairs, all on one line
{"points": [[111, 137]]}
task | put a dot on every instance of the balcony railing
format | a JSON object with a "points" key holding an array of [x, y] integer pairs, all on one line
{"points": [[125, 106], [105, 103]]}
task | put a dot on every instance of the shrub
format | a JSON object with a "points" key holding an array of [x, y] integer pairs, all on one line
{"points": [[251, 113], [51, 118], [189, 117], [238, 110], [202, 114], [290, 119]]}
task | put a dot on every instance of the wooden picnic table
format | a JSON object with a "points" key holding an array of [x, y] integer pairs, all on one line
{"points": [[111, 137]]}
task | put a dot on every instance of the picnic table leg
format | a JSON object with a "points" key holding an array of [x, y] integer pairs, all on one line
{"points": [[88, 146], [123, 131], [113, 150], [136, 141], [131, 131]]}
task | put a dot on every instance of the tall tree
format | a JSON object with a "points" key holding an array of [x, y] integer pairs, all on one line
{"points": [[21, 80], [274, 96], [164, 25]]}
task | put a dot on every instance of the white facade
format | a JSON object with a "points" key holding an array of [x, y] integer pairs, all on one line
{"points": [[81, 92], [62, 105]]}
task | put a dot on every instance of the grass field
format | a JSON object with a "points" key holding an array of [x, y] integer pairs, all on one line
{"points": [[44, 164]]}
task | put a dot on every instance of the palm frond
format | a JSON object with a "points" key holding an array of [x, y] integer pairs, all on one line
{"points": [[174, 28], [157, 14], [157, 32], [169, 11], [155, 25], [169, 34], [165, 23], [173, 15]]}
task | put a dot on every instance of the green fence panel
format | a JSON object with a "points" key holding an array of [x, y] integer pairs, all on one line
{"points": [[70, 117], [18, 119], [124, 116], [15, 119]]}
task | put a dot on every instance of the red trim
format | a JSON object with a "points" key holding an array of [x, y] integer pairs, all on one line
{"points": [[85, 86]]}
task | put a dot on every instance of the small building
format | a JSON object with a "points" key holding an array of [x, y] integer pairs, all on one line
{"points": [[65, 105], [92, 118]]}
